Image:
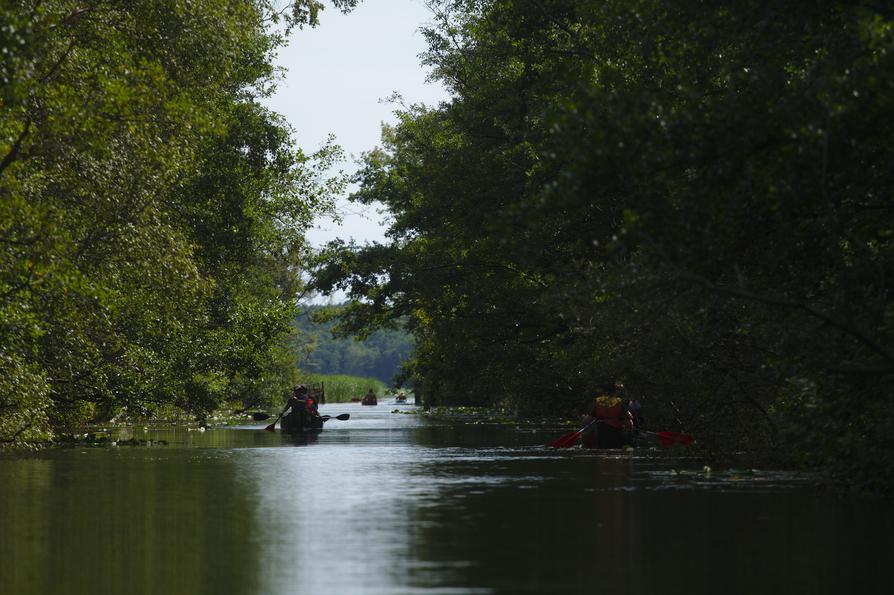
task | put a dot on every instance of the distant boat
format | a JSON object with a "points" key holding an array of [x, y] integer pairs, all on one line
{"points": [[369, 399], [401, 398]]}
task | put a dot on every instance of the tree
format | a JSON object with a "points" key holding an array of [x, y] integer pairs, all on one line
{"points": [[692, 199], [151, 210], [379, 355]]}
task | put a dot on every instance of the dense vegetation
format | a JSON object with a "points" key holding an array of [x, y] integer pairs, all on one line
{"points": [[341, 388], [379, 355], [152, 212], [694, 198]]}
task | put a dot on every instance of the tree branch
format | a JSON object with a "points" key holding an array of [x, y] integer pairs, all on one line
{"points": [[16, 147], [775, 301]]}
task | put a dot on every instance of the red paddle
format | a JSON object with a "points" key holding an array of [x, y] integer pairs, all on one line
{"points": [[568, 440], [665, 438], [671, 438]]}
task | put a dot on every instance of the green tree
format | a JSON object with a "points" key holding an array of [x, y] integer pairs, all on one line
{"points": [[379, 355], [693, 199], [151, 210]]}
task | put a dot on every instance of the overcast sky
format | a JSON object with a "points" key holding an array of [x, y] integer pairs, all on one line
{"points": [[337, 75]]}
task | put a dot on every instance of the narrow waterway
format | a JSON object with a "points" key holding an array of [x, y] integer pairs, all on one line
{"points": [[398, 503]]}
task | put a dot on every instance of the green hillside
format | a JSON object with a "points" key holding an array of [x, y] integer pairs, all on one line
{"points": [[378, 356]]}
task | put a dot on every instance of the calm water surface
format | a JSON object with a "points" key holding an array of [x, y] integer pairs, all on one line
{"points": [[396, 504]]}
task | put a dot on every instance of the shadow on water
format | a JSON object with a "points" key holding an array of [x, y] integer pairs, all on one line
{"points": [[397, 504], [300, 439], [137, 520]]}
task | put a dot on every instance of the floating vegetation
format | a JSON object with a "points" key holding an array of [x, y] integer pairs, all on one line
{"points": [[486, 416], [106, 439], [731, 479]]}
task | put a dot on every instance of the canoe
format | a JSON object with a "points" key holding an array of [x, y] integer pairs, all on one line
{"points": [[300, 422], [605, 436]]}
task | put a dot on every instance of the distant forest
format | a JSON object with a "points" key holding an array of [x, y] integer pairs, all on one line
{"points": [[378, 356]]}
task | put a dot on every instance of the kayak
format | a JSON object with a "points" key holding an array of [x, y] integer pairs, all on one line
{"points": [[369, 400], [300, 422], [601, 435]]}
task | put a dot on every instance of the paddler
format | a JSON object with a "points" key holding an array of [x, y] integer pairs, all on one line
{"points": [[613, 421]]}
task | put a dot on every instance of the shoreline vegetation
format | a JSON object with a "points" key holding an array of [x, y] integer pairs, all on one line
{"points": [[101, 434], [152, 210], [692, 200], [341, 388], [131, 433]]}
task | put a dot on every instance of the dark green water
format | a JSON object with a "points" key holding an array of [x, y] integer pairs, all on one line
{"points": [[398, 504]]}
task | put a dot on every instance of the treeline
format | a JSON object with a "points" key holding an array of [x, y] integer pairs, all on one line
{"points": [[152, 211], [379, 355], [693, 198]]}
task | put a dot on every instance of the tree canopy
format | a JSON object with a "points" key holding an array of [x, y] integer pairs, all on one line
{"points": [[692, 198], [152, 211]]}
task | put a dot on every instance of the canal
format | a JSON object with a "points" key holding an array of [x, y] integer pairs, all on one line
{"points": [[400, 503]]}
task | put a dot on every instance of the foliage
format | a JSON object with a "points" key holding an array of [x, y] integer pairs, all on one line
{"points": [[151, 210], [380, 355], [693, 198], [341, 388]]}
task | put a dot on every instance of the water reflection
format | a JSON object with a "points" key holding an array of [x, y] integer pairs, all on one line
{"points": [[397, 504], [125, 520]]}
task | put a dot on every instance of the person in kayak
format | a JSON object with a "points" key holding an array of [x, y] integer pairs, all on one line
{"points": [[614, 423], [301, 403]]}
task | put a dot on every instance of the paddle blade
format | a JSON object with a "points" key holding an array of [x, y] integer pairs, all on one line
{"points": [[685, 439], [671, 438], [343, 417], [566, 441], [271, 427]]}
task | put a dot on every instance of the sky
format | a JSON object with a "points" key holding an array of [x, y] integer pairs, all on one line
{"points": [[336, 78]]}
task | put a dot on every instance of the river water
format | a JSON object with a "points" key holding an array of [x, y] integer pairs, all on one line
{"points": [[400, 503]]}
